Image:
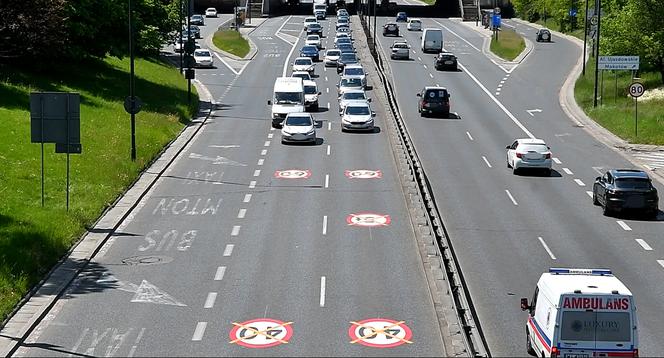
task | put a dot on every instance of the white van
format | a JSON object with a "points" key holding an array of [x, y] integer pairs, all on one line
{"points": [[581, 313], [288, 97], [432, 40], [320, 7]]}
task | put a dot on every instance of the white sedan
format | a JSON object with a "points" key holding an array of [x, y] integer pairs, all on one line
{"points": [[352, 96], [203, 58], [357, 116], [313, 40], [528, 153], [331, 57], [303, 64], [298, 127], [210, 12], [414, 25]]}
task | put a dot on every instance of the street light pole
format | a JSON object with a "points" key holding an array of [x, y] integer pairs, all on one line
{"points": [[131, 86], [374, 25], [598, 11], [585, 37], [188, 41]]}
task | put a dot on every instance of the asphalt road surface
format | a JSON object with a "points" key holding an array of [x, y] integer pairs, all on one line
{"points": [[507, 229], [247, 243]]}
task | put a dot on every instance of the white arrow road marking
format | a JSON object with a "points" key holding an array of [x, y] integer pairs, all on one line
{"points": [[218, 160], [149, 293], [531, 111]]}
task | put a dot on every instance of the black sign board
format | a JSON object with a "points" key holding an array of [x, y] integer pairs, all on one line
{"points": [[51, 114]]}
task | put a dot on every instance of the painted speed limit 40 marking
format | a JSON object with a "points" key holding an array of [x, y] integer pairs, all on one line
{"points": [[368, 219], [364, 174], [380, 333], [261, 333], [292, 174]]}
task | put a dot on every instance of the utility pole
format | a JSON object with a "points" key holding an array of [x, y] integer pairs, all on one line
{"points": [[131, 86], [374, 25], [188, 41], [598, 11], [585, 37], [179, 37]]}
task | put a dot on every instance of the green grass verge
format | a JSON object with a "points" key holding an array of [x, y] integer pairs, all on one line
{"points": [[616, 113], [34, 238], [231, 41], [509, 44]]}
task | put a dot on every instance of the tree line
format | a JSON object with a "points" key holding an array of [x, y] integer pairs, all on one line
{"points": [[628, 27], [44, 31]]}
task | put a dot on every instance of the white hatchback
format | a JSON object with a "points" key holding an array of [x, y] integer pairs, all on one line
{"points": [[528, 153], [414, 25], [310, 20], [313, 40], [298, 127], [358, 116], [203, 58], [210, 12], [331, 57], [303, 64]]}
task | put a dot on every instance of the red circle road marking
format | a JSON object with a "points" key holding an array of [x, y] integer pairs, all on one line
{"points": [[292, 174], [380, 333], [363, 174], [368, 219], [261, 333]]}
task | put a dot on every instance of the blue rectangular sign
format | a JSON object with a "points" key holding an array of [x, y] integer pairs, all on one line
{"points": [[496, 20]]}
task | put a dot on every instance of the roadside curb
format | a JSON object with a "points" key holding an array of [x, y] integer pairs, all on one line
{"points": [[581, 120], [486, 45], [41, 299]]}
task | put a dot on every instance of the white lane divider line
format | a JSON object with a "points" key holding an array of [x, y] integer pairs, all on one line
{"points": [[322, 291], [546, 247], [209, 301], [242, 213], [219, 275], [469, 136], [567, 171], [497, 93], [199, 331], [425, 66], [136, 342], [511, 197], [578, 181], [236, 230], [326, 78], [270, 135], [502, 81], [264, 152], [257, 172], [228, 250], [252, 184], [661, 263], [419, 58], [327, 180], [624, 225], [328, 106], [327, 90], [260, 161], [644, 244], [247, 198], [486, 161], [329, 126], [325, 225], [500, 86], [556, 160], [328, 149], [266, 144], [430, 75], [590, 193]]}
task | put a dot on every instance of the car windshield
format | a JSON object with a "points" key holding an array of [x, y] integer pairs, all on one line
{"points": [[309, 89], [288, 97], [202, 53], [344, 47], [314, 26], [344, 40], [354, 72], [303, 76], [357, 110], [354, 95], [309, 49], [298, 121], [592, 326], [632, 183], [351, 82], [310, 19], [539, 148], [333, 53], [313, 37], [303, 61]]}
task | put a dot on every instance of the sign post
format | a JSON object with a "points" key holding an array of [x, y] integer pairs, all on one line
{"points": [[636, 90]]}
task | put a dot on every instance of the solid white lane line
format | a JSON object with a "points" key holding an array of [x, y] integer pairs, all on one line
{"points": [[260, 161], [590, 193], [624, 225], [252, 184], [567, 171], [578, 181], [644, 244], [328, 149], [219, 275], [267, 143], [329, 126], [325, 225], [469, 136], [497, 102], [430, 75], [199, 331], [257, 172], [209, 301], [322, 291], [556, 160], [228, 250], [270, 135], [236, 230], [486, 161], [661, 263], [546, 247], [264, 151], [242, 213], [327, 180], [511, 197]]}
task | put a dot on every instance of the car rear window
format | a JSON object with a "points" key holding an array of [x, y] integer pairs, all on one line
{"points": [[391, 26], [354, 71], [533, 148], [596, 326], [309, 89], [351, 82], [435, 95], [333, 53], [348, 57], [632, 183], [354, 95]]}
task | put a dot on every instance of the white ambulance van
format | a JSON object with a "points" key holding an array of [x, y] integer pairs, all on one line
{"points": [[581, 313], [288, 97]]}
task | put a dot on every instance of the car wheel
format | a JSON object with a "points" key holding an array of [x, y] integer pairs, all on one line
{"points": [[606, 211], [508, 163], [529, 345], [595, 201], [652, 214], [514, 170]]}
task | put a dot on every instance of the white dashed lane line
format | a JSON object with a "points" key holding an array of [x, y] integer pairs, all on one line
{"points": [[567, 171], [267, 143], [242, 213], [624, 225], [236, 230], [260, 162], [264, 152], [556, 160], [578, 181], [469, 136], [327, 180], [661, 263], [325, 225], [257, 172], [209, 301], [546, 247], [511, 197], [425, 66], [322, 291], [486, 161], [419, 58], [252, 184], [270, 135], [644, 244], [247, 198], [590, 193], [430, 75], [219, 275], [228, 250], [199, 331], [328, 149], [329, 126]]}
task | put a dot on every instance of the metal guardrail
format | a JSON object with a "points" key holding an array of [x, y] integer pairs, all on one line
{"points": [[473, 336]]}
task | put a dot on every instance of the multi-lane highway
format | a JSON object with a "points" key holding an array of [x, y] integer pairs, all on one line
{"points": [[507, 229], [247, 243]]}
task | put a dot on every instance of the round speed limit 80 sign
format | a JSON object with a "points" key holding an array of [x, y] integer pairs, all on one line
{"points": [[636, 89]]}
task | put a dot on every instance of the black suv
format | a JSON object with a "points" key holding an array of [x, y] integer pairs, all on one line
{"points": [[391, 28], [434, 100], [543, 35], [445, 60], [624, 189]]}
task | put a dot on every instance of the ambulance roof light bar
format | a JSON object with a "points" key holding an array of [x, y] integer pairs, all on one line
{"points": [[577, 271]]}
